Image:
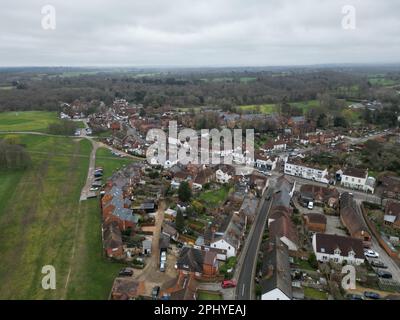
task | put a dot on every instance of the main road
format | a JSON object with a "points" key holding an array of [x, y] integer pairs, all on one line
{"points": [[247, 266]]}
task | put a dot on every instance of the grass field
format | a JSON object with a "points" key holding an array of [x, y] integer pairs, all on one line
{"points": [[315, 294], [27, 121], [43, 223], [263, 108], [209, 295], [109, 162], [214, 198]]}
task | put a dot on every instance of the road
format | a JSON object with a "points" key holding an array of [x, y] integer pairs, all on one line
{"points": [[247, 267]]}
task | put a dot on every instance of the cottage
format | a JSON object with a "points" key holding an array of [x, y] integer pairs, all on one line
{"points": [[315, 222], [329, 247], [353, 220], [392, 214], [319, 195], [112, 240], [276, 282], [197, 262]]}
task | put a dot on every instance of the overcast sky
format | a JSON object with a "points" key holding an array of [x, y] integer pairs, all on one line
{"points": [[198, 33]]}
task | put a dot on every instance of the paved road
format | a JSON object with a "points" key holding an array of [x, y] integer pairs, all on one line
{"points": [[245, 282]]}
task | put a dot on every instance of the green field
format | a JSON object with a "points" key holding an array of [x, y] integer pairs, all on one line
{"points": [[208, 295], [43, 223], [109, 162], [27, 121], [263, 108]]}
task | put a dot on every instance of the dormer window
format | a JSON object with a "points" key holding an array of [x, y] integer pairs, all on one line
{"points": [[337, 251], [352, 253], [323, 250]]}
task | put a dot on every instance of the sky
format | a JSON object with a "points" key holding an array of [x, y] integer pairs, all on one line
{"points": [[198, 32]]}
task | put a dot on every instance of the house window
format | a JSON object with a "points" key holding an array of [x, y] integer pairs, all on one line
{"points": [[229, 248], [324, 258]]}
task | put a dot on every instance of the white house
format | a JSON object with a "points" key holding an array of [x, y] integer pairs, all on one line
{"points": [[358, 179], [331, 247], [295, 167], [265, 163], [222, 177], [225, 244]]}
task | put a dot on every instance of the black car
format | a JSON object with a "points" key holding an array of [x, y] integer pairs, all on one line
{"points": [[384, 274], [372, 295], [126, 272], [378, 264], [155, 292]]}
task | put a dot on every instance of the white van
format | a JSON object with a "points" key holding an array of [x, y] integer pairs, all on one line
{"points": [[162, 266], [310, 205]]}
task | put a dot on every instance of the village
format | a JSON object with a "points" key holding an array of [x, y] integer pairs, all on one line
{"points": [[281, 231]]}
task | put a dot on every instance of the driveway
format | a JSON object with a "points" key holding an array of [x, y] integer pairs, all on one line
{"points": [[334, 226]]}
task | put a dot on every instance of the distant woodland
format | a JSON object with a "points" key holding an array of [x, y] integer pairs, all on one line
{"points": [[46, 88]]}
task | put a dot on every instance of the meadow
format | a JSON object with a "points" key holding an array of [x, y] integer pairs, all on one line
{"points": [[43, 223], [27, 120]]}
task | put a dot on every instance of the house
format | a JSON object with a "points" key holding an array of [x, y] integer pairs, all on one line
{"points": [[330, 247], [199, 263], [146, 247], [170, 231], [206, 175], [265, 162], [319, 195], [390, 187], [353, 220], [392, 214], [112, 240], [276, 282], [127, 289], [222, 177], [249, 208], [230, 235], [315, 222], [274, 146], [358, 179], [296, 167], [280, 224]]}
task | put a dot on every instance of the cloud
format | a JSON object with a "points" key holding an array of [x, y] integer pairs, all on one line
{"points": [[198, 32]]}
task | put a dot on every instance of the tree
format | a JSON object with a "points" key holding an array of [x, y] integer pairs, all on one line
{"points": [[340, 121], [184, 192], [312, 260], [322, 121], [179, 221]]}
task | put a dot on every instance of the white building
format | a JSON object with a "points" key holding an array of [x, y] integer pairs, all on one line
{"points": [[295, 167], [266, 163], [222, 177], [331, 247], [358, 179], [225, 244]]}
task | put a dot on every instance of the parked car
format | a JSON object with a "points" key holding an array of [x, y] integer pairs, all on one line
{"points": [[378, 264], [384, 274], [355, 297], [126, 272], [162, 266], [371, 254], [310, 205], [155, 292], [94, 189], [163, 256], [228, 284], [372, 295]]}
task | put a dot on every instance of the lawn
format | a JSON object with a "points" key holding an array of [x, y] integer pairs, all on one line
{"points": [[214, 198], [109, 162], [208, 295], [43, 223], [27, 121], [315, 294]]}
